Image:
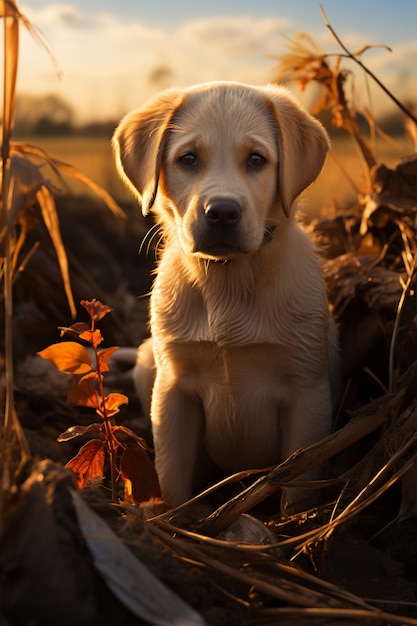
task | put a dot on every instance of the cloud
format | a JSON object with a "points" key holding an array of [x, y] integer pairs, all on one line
{"points": [[56, 15], [111, 64], [234, 35]]}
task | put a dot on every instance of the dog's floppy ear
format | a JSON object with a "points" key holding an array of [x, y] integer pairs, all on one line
{"points": [[302, 146], [138, 144]]}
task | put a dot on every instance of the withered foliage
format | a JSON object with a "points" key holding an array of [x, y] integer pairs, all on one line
{"points": [[27, 198]]}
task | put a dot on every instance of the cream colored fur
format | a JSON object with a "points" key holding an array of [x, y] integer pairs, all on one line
{"points": [[242, 340]]}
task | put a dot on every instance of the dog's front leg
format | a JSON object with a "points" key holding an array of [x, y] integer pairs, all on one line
{"points": [[307, 421], [178, 430]]}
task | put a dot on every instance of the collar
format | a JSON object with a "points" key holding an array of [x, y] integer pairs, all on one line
{"points": [[268, 235]]}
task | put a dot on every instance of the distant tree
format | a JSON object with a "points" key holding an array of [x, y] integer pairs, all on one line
{"points": [[161, 76], [43, 115]]}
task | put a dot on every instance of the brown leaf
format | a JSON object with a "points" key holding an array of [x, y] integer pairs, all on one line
{"points": [[75, 330], [139, 474], [50, 217], [68, 357], [95, 309], [78, 431], [89, 462], [140, 441]]}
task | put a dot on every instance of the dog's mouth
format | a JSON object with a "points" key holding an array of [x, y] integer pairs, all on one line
{"points": [[220, 251], [226, 251]]}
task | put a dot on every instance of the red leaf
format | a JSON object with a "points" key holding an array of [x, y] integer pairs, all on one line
{"points": [[69, 357], [89, 462], [84, 394], [95, 309], [139, 474], [77, 431]]}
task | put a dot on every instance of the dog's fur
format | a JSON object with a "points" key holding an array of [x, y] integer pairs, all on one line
{"points": [[242, 338]]}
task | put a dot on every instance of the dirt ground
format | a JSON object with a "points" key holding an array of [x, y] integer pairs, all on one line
{"points": [[362, 571]]}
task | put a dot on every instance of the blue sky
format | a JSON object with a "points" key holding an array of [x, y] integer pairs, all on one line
{"points": [[393, 20], [116, 53]]}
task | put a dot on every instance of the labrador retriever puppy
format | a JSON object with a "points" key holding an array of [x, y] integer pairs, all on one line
{"points": [[243, 346]]}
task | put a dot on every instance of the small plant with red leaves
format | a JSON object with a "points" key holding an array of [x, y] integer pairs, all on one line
{"points": [[129, 461]]}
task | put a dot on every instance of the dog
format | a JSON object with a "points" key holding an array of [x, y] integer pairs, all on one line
{"points": [[243, 347]]}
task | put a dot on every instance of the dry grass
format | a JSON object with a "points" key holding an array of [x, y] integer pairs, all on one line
{"points": [[24, 184]]}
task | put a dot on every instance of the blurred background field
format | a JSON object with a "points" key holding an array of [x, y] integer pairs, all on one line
{"points": [[337, 185]]}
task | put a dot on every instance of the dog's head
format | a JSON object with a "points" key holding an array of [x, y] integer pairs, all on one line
{"points": [[221, 162]]}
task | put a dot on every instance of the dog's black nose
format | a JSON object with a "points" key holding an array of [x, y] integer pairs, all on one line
{"points": [[223, 212]]}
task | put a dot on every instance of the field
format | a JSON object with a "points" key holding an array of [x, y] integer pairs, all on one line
{"points": [[348, 562]]}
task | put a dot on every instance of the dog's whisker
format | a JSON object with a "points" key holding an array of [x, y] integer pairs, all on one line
{"points": [[147, 239], [159, 242], [157, 233], [154, 236]]}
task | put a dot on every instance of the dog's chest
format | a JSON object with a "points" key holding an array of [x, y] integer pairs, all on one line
{"points": [[242, 391], [227, 317], [238, 313]]}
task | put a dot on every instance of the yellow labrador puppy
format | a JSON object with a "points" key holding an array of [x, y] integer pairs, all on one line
{"points": [[243, 344]]}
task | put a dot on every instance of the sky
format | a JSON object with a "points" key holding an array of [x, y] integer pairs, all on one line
{"points": [[115, 54]]}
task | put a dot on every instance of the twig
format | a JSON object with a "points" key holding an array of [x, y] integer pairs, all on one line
{"points": [[403, 108], [406, 288], [275, 580]]}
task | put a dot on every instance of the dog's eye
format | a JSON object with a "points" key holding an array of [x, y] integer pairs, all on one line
{"points": [[256, 160], [189, 159]]}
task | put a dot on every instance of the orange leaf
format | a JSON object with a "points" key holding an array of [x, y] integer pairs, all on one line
{"points": [[84, 394], [95, 309], [113, 402], [92, 336], [69, 357], [91, 378], [139, 474], [89, 462], [103, 356]]}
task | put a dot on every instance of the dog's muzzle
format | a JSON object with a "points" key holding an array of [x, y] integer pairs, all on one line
{"points": [[219, 236]]}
